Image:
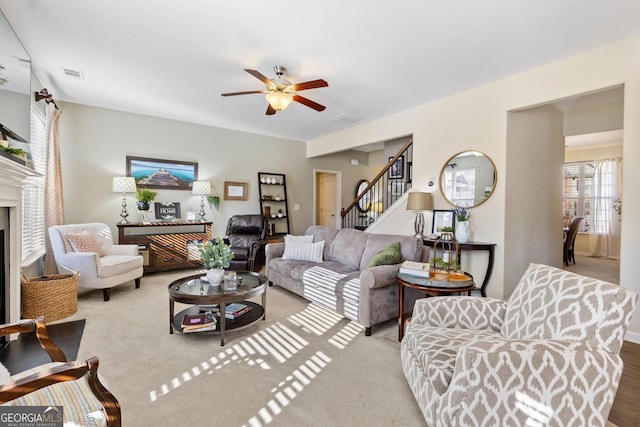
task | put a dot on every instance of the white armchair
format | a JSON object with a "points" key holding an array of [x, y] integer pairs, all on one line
{"points": [[547, 356], [89, 249]]}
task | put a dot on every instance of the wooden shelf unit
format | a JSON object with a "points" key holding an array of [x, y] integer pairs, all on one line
{"points": [[269, 206], [167, 245]]}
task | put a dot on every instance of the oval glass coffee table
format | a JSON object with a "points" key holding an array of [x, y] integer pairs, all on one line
{"points": [[196, 290]]}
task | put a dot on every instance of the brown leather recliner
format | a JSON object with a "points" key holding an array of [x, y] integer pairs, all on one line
{"points": [[247, 236]]}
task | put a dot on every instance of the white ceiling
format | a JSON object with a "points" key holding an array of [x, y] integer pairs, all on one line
{"points": [[173, 59]]}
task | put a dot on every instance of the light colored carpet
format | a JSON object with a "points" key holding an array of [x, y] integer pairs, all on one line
{"points": [[303, 366], [599, 268]]}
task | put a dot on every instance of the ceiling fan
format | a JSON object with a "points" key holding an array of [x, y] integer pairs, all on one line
{"points": [[280, 92]]}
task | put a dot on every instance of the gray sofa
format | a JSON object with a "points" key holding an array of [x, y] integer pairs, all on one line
{"points": [[342, 282]]}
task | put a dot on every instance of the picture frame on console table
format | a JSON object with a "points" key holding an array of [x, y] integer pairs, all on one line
{"points": [[161, 173], [442, 218]]}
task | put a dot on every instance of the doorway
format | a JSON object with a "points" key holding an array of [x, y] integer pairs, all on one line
{"points": [[327, 188], [536, 152]]}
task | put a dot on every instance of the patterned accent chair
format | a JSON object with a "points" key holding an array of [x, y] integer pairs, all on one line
{"points": [[547, 356], [73, 385], [99, 262]]}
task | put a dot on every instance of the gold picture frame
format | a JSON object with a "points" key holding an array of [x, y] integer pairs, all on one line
{"points": [[235, 190]]}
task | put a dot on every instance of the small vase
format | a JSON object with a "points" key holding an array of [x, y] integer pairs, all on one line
{"points": [[215, 276], [143, 206], [462, 231]]}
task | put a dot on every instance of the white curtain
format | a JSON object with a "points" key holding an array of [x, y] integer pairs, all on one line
{"points": [[604, 237]]}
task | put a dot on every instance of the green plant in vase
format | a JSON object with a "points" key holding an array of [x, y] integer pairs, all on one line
{"points": [[216, 256], [144, 197]]}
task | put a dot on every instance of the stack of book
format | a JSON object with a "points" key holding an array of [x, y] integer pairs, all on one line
{"points": [[236, 309], [198, 323], [413, 268]]}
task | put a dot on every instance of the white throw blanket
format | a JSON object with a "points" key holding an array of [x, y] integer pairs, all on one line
{"points": [[334, 291]]}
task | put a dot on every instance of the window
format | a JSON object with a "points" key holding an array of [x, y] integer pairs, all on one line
{"points": [[33, 193], [460, 186], [589, 190]]}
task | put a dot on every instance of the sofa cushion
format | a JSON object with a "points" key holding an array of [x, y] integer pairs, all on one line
{"points": [[320, 233], [112, 265], [301, 251], [435, 350], [347, 247], [388, 256], [410, 247], [84, 242], [303, 239]]}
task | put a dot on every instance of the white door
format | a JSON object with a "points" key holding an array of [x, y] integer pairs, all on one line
{"points": [[327, 199]]}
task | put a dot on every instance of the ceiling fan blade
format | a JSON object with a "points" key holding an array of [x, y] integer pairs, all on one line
{"points": [[309, 85], [270, 110], [308, 103], [242, 93], [258, 75]]}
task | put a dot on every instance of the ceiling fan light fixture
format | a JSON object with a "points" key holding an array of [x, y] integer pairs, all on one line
{"points": [[279, 100]]}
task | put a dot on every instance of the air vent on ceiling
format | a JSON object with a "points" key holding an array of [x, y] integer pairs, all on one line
{"points": [[345, 118], [73, 73]]}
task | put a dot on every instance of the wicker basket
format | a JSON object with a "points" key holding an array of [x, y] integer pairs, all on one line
{"points": [[53, 297]]}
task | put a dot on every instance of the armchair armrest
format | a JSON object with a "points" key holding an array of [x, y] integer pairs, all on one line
{"points": [[85, 263], [465, 312], [62, 373], [552, 379], [37, 325], [123, 250]]}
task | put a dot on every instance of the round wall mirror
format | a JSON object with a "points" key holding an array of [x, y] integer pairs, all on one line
{"points": [[364, 204], [468, 179]]}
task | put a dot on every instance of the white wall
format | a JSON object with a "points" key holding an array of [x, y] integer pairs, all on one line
{"points": [[477, 120], [96, 141]]}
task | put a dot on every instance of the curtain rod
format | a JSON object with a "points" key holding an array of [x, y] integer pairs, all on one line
{"points": [[44, 94]]}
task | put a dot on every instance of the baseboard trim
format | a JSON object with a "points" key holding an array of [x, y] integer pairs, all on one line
{"points": [[633, 337]]}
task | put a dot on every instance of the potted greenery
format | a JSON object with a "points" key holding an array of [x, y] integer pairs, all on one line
{"points": [[144, 196], [216, 256]]}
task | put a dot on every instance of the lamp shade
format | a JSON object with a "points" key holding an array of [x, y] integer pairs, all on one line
{"points": [[419, 201], [201, 187], [123, 184], [279, 100]]}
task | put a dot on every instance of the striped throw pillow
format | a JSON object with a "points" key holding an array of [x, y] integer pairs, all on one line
{"points": [[302, 251]]}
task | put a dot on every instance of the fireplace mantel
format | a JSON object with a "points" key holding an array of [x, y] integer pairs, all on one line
{"points": [[12, 176]]}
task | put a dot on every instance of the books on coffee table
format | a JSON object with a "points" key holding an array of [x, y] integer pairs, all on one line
{"points": [[197, 323], [236, 309]]}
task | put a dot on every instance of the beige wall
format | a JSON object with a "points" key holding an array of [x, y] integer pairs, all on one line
{"points": [[477, 120], [95, 142]]}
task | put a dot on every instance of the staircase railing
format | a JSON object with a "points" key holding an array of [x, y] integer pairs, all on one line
{"points": [[387, 187]]}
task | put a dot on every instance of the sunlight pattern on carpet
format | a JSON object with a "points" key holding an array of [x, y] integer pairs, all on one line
{"points": [[295, 383], [277, 341], [315, 319]]}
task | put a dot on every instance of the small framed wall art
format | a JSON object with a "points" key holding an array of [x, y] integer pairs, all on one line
{"points": [[235, 190], [396, 171]]}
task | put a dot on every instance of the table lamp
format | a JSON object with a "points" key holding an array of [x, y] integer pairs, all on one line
{"points": [[419, 201], [203, 188], [124, 185]]}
